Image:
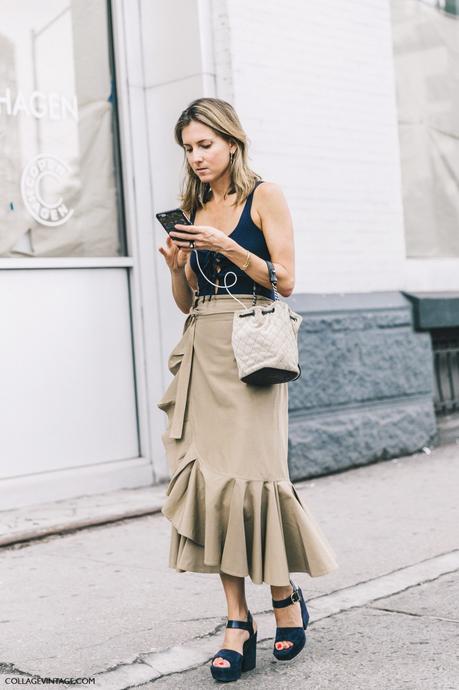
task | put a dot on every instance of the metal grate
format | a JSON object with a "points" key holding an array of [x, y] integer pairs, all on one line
{"points": [[445, 345]]}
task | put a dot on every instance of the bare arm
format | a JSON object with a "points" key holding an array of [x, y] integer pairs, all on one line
{"points": [[190, 274], [176, 259], [181, 290], [277, 228]]}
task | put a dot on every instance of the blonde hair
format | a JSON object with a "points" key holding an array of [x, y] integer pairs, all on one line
{"points": [[221, 117]]}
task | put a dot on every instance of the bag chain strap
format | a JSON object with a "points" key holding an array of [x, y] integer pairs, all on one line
{"points": [[272, 278]]}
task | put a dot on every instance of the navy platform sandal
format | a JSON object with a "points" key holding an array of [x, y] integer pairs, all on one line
{"points": [[238, 662], [295, 635]]}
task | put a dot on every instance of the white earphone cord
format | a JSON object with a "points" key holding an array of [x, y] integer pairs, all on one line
{"points": [[224, 280]]}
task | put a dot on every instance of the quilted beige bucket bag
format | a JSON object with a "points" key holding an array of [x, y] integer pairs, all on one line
{"points": [[265, 341]]}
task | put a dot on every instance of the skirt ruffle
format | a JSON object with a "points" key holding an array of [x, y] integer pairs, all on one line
{"points": [[241, 527]]}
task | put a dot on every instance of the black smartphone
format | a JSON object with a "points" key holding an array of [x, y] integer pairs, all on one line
{"points": [[168, 219]]}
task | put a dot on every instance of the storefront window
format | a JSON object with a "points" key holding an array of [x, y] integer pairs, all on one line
{"points": [[426, 40], [59, 184]]}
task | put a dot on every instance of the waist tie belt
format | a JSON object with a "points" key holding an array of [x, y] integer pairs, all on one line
{"points": [[181, 358]]}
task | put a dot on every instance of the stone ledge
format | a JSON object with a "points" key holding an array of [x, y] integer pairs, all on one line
{"points": [[355, 367], [434, 309], [338, 441], [348, 301]]}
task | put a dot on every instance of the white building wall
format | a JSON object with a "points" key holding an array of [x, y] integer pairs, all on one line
{"points": [[314, 86]]}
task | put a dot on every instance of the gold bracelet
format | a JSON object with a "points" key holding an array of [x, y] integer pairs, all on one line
{"points": [[247, 261]]}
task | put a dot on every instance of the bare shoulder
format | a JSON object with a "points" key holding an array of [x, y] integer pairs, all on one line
{"points": [[268, 190], [269, 196], [268, 199]]}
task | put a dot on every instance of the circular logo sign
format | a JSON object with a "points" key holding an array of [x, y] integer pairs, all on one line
{"points": [[46, 212]]}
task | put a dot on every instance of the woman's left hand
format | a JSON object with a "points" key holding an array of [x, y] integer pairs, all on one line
{"points": [[204, 237]]}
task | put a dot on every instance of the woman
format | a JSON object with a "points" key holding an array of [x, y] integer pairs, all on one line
{"points": [[232, 506]]}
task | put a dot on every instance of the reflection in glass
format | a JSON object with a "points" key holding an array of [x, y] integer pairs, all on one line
{"points": [[426, 41], [58, 181]]}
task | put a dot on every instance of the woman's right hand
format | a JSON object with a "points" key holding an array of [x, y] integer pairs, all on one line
{"points": [[176, 257]]}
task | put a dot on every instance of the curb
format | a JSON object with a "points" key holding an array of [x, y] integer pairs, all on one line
{"points": [[60, 517]]}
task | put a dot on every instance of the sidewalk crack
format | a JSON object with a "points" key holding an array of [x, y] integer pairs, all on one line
{"points": [[412, 613], [7, 668]]}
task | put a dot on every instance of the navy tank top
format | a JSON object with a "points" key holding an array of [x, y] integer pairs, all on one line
{"points": [[215, 265]]}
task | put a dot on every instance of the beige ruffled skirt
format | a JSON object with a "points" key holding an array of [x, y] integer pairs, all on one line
{"points": [[230, 501]]}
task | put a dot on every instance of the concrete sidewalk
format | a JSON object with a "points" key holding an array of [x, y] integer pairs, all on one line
{"points": [[102, 602], [408, 640]]}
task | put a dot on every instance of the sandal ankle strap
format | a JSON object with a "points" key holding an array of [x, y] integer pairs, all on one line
{"points": [[245, 625], [291, 599]]}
